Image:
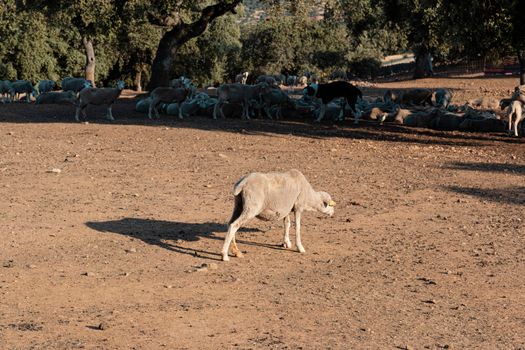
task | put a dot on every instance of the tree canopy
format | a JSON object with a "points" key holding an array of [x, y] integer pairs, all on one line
{"points": [[211, 40]]}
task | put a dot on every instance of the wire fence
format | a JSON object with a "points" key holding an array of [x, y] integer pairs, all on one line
{"points": [[507, 66]]}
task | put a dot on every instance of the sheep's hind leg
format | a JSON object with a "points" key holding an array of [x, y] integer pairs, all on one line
{"points": [[232, 230], [235, 250], [287, 223]]}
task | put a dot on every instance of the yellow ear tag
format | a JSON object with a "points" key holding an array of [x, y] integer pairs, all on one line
{"points": [[331, 204]]}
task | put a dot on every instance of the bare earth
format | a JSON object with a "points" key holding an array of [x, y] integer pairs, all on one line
{"points": [[426, 250]]}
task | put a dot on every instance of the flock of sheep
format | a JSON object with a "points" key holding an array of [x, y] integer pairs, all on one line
{"points": [[274, 96]]}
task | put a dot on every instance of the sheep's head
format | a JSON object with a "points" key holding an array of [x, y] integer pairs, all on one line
{"points": [[326, 205]]}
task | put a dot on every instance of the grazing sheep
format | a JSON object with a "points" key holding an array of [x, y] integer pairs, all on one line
{"points": [[238, 93], [268, 79], [23, 87], [167, 95], [274, 196], [75, 84], [98, 97], [515, 114], [202, 104], [242, 78], [338, 75], [55, 97], [443, 98], [6, 88], [292, 80], [182, 82], [276, 99], [484, 103], [45, 86]]}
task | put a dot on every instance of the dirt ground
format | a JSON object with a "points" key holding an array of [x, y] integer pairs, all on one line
{"points": [[426, 249]]}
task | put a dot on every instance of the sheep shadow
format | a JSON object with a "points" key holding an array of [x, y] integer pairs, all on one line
{"points": [[171, 235], [489, 167], [511, 195]]}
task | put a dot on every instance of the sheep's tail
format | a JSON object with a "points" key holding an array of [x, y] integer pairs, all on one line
{"points": [[239, 202], [239, 186], [237, 209]]}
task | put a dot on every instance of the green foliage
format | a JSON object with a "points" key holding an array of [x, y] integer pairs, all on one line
{"points": [[42, 39]]}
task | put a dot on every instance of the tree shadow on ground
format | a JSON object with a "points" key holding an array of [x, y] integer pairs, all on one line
{"points": [[172, 235], [511, 195], [125, 114], [489, 167]]}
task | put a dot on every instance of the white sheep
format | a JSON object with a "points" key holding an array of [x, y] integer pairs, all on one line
{"points": [[98, 97], [75, 84], [238, 93], [23, 87], [275, 98], [274, 196], [515, 114], [5, 90], [45, 86], [167, 95]]}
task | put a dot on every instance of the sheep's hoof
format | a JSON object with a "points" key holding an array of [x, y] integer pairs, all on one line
{"points": [[225, 258], [301, 250], [287, 245], [239, 254]]}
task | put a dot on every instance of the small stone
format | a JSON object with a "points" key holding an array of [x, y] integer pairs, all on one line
{"points": [[208, 186], [55, 171], [126, 274], [211, 266], [131, 250], [8, 264], [223, 156], [103, 326], [202, 269], [168, 286], [88, 274], [31, 266]]}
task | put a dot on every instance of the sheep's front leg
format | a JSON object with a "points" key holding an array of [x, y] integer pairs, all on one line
{"points": [[517, 123], [77, 113], [179, 106], [321, 113], [298, 243], [510, 121], [246, 110], [110, 113], [287, 223], [149, 110]]}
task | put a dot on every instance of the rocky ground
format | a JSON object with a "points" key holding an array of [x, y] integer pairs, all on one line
{"points": [[111, 234]]}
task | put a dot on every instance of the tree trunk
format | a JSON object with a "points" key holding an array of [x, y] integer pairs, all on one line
{"points": [[138, 78], [90, 60], [180, 34], [423, 63], [521, 59]]}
